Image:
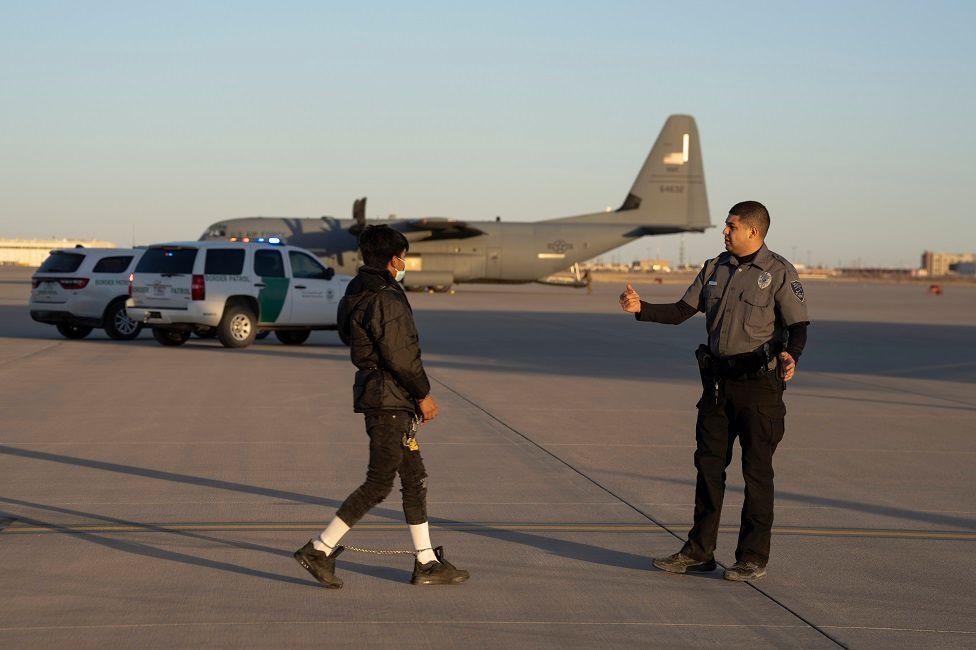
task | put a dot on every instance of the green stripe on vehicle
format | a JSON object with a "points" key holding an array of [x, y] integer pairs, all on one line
{"points": [[272, 298]]}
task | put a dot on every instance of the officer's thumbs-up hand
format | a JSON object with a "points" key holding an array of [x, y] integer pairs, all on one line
{"points": [[630, 301]]}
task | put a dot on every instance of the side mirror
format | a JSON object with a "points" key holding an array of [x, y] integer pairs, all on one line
{"points": [[329, 273]]}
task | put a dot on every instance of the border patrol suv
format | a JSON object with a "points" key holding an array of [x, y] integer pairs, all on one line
{"points": [[79, 289], [233, 289]]}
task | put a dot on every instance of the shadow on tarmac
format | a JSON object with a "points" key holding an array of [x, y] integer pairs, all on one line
{"points": [[568, 549], [549, 343], [783, 496]]}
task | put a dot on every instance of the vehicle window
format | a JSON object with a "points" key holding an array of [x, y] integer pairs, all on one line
{"points": [[113, 264], [224, 261], [167, 259], [268, 264], [61, 262], [305, 266]]}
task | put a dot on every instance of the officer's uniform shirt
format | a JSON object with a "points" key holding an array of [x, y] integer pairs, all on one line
{"points": [[746, 305]]}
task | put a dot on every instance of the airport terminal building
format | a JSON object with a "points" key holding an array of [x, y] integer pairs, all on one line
{"points": [[939, 264], [32, 252]]}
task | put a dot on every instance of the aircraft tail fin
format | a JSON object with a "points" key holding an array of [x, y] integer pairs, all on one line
{"points": [[669, 192]]}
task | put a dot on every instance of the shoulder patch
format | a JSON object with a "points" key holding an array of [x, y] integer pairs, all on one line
{"points": [[797, 289]]}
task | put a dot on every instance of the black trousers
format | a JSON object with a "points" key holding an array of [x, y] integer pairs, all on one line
{"points": [[387, 458], [751, 410]]}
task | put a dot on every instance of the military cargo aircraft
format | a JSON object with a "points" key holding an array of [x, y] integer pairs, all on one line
{"points": [[667, 197]]}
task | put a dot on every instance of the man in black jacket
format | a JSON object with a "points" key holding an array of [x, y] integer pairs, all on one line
{"points": [[392, 391]]}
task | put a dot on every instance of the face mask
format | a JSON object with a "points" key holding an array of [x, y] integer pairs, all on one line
{"points": [[401, 274]]}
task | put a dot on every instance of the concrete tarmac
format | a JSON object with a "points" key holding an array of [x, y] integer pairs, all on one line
{"points": [[152, 497]]}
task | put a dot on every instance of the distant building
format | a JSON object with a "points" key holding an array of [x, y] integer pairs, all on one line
{"points": [[937, 264], [33, 252], [652, 266], [875, 272]]}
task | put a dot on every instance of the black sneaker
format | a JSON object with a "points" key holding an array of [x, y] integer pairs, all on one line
{"points": [[320, 565], [681, 563], [745, 572], [439, 572]]}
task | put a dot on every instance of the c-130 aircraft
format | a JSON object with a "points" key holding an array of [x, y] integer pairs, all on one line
{"points": [[667, 197]]}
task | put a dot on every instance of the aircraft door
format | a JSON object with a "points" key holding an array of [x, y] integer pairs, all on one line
{"points": [[493, 263]]}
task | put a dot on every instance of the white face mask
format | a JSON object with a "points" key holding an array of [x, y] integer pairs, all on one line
{"points": [[401, 274]]}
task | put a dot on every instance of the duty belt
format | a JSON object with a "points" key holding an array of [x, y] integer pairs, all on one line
{"points": [[761, 361]]}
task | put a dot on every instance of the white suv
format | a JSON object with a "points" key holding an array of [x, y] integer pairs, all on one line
{"points": [[79, 289], [233, 290]]}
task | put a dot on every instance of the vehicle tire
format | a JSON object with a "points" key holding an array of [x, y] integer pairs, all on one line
{"points": [[118, 325], [263, 334], [293, 337], [170, 338], [238, 327], [71, 331], [205, 332]]}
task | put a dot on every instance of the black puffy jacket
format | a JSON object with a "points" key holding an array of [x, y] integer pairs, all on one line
{"points": [[376, 322]]}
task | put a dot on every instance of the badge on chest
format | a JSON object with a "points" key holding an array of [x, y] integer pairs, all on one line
{"points": [[765, 280]]}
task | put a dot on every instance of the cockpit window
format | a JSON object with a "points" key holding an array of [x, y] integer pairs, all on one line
{"points": [[217, 231]]}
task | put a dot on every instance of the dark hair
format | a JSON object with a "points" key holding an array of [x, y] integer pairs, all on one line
{"points": [[379, 243], [754, 214]]}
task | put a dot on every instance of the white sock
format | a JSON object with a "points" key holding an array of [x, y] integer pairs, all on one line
{"points": [[421, 543], [329, 538]]}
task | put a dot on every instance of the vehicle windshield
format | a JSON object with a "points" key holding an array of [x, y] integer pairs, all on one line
{"points": [[167, 259], [61, 262]]}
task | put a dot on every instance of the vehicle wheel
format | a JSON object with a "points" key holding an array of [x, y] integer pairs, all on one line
{"points": [[263, 334], [170, 337], [70, 331], [238, 327], [118, 325], [293, 337], [205, 332]]}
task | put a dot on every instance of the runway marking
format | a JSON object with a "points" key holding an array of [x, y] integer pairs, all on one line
{"points": [[358, 443], [577, 623], [450, 622], [954, 452], [564, 527]]}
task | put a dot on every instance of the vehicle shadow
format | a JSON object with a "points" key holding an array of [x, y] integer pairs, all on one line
{"points": [[549, 343]]}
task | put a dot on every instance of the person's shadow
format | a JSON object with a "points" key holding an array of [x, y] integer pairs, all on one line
{"points": [[563, 548]]}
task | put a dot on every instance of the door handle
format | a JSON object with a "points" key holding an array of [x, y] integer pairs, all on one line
{"points": [[299, 286], [260, 284]]}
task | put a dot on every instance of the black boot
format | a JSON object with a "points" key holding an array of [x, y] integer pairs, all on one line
{"points": [[439, 572], [681, 563], [320, 565]]}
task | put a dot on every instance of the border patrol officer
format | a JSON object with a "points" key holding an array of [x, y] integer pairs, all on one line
{"points": [[393, 392], [756, 318]]}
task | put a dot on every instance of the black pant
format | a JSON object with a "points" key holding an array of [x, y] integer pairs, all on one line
{"points": [[387, 457], [753, 411]]}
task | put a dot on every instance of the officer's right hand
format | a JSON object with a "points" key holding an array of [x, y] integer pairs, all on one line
{"points": [[428, 408], [630, 301]]}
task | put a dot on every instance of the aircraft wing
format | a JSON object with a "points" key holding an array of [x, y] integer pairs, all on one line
{"points": [[433, 228]]}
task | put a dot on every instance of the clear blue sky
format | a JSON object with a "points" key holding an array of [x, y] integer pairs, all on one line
{"points": [[853, 122]]}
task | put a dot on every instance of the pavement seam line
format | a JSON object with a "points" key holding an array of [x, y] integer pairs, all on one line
{"points": [[8, 362], [624, 501]]}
